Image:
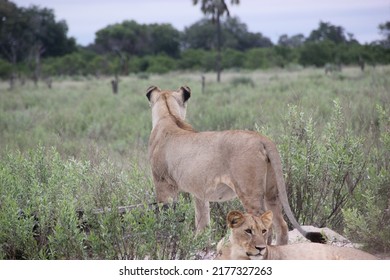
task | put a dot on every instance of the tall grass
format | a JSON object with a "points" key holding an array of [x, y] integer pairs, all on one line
{"points": [[69, 151]]}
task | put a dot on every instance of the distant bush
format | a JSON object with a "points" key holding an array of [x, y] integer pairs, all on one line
{"points": [[5, 69], [242, 81], [160, 64], [317, 54], [192, 59], [232, 59], [256, 59]]}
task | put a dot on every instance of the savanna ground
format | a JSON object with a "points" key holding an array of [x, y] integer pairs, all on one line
{"points": [[69, 151]]}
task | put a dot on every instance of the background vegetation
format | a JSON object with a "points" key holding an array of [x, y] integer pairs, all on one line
{"points": [[33, 44], [72, 153]]}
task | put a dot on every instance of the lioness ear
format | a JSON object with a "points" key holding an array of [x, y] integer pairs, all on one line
{"points": [[150, 90], [235, 219], [266, 218], [186, 91]]}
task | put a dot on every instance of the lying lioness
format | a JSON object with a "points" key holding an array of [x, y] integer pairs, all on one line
{"points": [[247, 241]]}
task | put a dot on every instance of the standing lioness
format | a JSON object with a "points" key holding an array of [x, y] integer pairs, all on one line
{"points": [[215, 166]]}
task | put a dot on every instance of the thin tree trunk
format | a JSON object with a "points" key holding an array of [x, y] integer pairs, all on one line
{"points": [[218, 60]]}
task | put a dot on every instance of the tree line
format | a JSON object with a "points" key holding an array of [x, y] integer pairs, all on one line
{"points": [[34, 44]]}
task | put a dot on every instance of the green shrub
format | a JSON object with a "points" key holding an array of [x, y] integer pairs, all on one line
{"points": [[323, 169], [191, 59], [242, 81], [5, 69], [256, 59], [160, 64], [51, 208], [368, 219], [232, 59]]}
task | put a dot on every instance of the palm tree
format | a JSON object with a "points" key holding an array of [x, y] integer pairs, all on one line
{"points": [[216, 8]]}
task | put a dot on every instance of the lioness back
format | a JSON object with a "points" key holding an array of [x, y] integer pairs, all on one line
{"points": [[316, 251]]}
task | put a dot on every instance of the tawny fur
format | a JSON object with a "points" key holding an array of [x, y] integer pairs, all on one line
{"points": [[214, 165], [247, 241]]}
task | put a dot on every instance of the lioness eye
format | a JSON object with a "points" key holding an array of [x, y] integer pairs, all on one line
{"points": [[248, 231], [264, 231]]}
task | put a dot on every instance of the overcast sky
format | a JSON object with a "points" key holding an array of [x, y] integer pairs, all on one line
{"points": [[271, 18]]}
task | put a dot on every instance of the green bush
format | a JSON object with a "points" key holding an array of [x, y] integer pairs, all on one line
{"points": [[256, 59], [5, 69], [232, 59], [368, 219], [323, 169], [317, 54], [51, 208], [161, 64], [247, 81], [192, 59]]}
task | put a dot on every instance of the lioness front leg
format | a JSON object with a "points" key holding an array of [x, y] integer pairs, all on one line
{"points": [[202, 214], [165, 193]]}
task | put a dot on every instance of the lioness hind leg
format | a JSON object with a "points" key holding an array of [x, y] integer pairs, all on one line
{"points": [[202, 214], [279, 224]]}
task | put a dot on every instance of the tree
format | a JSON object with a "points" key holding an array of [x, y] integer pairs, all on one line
{"points": [[317, 54], [216, 9], [13, 31], [129, 38], [234, 35], [28, 33], [199, 35], [327, 31], [384, 29], [138, 39], [293, 41], [46, 36]]}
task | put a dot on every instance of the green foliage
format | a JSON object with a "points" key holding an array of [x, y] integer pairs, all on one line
{"points": [[232, 59], [322, 170], [5, 69], [384, 29], [317, 54], [42, 196], [328, 32], [255, 59], [138, 39], [234, 35], [25, 30], [368, 221], [32, 40], [243, 81], [160, 64], [194, 59]]}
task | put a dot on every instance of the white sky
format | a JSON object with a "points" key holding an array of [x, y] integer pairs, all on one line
{"points": [[271, 18]]}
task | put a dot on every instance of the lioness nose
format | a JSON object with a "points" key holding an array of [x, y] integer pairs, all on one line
{"points": [[260, 248]]}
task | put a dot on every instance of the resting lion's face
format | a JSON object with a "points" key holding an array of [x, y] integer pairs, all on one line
{"points": [[249, 233]]}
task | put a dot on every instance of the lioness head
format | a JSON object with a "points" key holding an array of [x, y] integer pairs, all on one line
{"points": [[249, 233], [165, 102]]}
